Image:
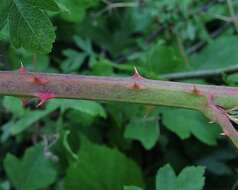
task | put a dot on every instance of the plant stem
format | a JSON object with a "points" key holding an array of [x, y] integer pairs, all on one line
{"points": [[208, 99], [233, 14], [201, 74], [117, 89]]}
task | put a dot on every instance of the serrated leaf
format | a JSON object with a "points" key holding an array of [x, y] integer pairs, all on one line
{"points": [[85, 45], [101, 168], [30, 28], [209, 59], [163, 59], [191, 178], [186, 122], [166, 178], [33, 172], [145, 130], [73, 61]]}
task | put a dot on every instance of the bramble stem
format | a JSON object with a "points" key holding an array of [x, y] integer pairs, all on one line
{"points": [[135, 89]]}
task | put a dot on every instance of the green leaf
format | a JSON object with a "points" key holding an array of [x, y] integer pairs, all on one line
{"points": [[90, 107], [209, 59], [30, 27], [163, 59], [77, 8], [29, 118], [145, 130], [4, 11], [191, 178], [166, 178], [219, 159], [13, 105], [186, 122], [50, 5], [32, 172], [73, 61], [101, 168]]}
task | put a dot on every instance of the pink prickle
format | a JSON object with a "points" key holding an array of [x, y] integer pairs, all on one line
{"points": [[38, 80], [136, 84], [136, 75], [22, 69], [44, 96], [196, 91], [225, 133]]}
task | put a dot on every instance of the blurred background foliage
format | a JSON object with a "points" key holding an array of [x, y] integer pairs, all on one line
{"points": [[86, 145]]}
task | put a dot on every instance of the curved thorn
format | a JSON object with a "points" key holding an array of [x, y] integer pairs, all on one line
{"points": [[195, 91], [136, 74], [44, 96], [22, 69], [220, 116]]}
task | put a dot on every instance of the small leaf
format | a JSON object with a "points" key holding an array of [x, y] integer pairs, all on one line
{"points": [[30, 28], [186, 122], [191, 178], [73, 61], [145, 130], [33, 172], [166, 178]]}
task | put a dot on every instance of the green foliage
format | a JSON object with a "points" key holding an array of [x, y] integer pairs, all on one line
{"points": [[162, 59], [129, 144], [166, 178], [144, 130], [189, 122], [34, 171], [29, 25], [190, 178], [102, 168], [224, 58], [77, 9]]}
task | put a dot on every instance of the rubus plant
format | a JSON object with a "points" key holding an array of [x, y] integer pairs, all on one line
{"points": [[215, 102], [104, 49]]}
